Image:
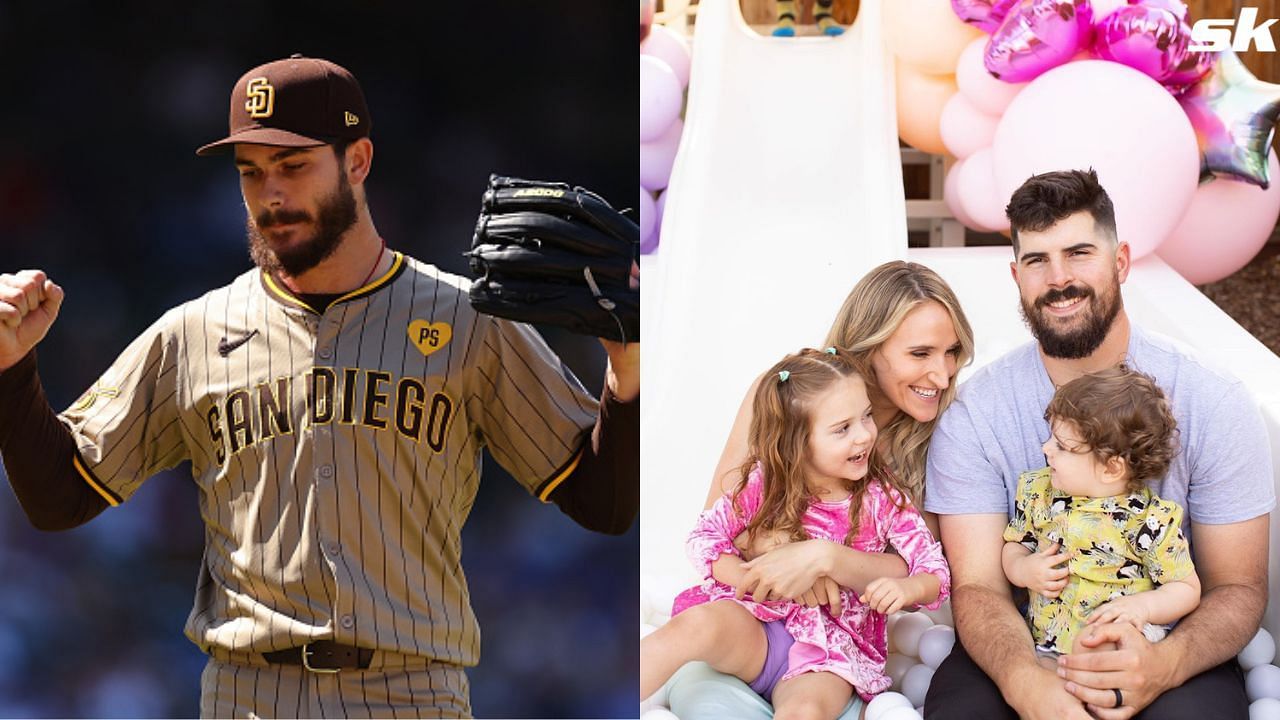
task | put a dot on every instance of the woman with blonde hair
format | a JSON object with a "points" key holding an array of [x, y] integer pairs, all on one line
{"points": [[905, 329]]}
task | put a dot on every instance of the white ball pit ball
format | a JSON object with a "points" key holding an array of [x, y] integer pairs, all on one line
{"points": [[1265, 709], [907, 632], [942, 616], [935, 645], [915, 684], [901, 713], [1261, 650], [1263, 682], [645, 629], [897, 666], [659, 714], [888, 628], [881, 704]]}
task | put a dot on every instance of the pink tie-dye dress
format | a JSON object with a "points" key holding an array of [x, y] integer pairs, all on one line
{"points": [[853, 645]]}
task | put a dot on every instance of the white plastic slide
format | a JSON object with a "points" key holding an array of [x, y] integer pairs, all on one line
{"points": [[786, 189]]}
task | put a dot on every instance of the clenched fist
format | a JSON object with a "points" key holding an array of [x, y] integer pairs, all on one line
{"points": [[29, 303]]}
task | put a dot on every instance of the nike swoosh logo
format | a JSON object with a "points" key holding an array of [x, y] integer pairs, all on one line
{"points": [[225, 348]]}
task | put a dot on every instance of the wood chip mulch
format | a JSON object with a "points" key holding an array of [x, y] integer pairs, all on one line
{"points": [[1252, 296]]}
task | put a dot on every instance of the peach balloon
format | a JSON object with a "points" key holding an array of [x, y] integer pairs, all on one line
{"points": [[1226, 224], [921, 98], [926, 34], [986, 93], [965, 129]]}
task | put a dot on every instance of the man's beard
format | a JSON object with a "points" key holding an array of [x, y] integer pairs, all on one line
{"points": [[1082, 341], [336, 215]]}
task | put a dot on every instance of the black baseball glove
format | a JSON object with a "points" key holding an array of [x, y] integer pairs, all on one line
{"points": [[547, 253]]}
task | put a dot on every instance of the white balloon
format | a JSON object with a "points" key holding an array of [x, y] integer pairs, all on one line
{"points": [[935, 645], [1260, 650], [1265, 709], [907, 632], [897, 666], [901, 713], [1263, 682], [659, 714], [881, 704], [915, 684]]}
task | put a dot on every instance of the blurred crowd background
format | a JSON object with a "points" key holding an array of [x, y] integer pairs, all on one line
{"points": [[100, 186]]}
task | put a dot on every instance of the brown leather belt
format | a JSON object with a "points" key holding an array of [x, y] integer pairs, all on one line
{"points": [[324, 656]]}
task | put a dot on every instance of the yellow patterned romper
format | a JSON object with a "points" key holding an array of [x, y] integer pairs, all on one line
{"points": [[1121, 545]]}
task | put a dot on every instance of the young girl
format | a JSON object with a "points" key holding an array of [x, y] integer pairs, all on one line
{"points": [[813, 473], [1090, 541]]}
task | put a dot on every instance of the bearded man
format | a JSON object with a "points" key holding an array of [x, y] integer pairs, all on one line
{"points": [[1068, 265]]}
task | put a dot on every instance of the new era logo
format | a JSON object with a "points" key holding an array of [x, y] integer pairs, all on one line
{"points": [[350, 119]]}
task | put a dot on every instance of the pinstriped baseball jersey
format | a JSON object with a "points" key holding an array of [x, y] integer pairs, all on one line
{"points": [[336, 454]]}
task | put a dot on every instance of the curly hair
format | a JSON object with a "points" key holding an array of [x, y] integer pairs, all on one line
{"points": [[1120, 412], [779, 442]]}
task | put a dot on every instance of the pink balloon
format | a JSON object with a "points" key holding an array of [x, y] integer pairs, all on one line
{"points": [[1103, 8], [657, 157], [1194, 66], [649, 241], [647, 215], [660, 97], [1038, 35], [978, 194], [982, 14], [964, 128], [1177, 7], [661, 206], [986, 93], [1099, 114], [951, 196], [1150, 40], [670, 47], [1226, 224]]}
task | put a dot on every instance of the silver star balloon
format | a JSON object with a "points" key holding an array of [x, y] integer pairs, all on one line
{"points": [[1234, 116]]}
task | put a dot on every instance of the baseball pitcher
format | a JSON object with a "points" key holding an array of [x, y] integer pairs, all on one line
{"points": [[333, 402]]}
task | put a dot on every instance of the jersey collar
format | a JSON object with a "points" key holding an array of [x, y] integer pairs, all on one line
{"points": [[277, 290]]}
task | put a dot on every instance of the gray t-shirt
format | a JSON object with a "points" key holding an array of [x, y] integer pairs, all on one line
{"points": [[995, 428]]}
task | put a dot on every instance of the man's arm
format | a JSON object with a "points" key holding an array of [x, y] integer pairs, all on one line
{"points": [[603, 491], [988, 623], [38, 450], [1231, 560]]}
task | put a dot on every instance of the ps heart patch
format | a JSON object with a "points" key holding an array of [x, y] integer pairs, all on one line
{"points": [[429, 337]]}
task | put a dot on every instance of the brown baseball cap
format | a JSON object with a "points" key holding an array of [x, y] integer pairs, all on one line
{"points": [[295, 102]]}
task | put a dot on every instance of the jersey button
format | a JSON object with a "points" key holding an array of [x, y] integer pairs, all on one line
{"points": [[325, 352], [326, 471], [348, 622], [332, 548]]}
